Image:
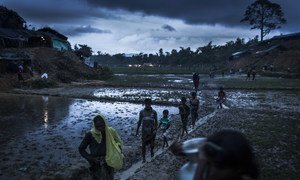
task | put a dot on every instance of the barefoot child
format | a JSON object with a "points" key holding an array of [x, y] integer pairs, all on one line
{"points": [[164, 123]]}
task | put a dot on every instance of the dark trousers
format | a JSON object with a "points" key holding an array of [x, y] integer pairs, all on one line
{"points": [[145, 143]]}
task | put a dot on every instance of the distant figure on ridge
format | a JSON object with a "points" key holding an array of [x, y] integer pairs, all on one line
{"points": [[196, 81], [248, 75], [148, 119]]}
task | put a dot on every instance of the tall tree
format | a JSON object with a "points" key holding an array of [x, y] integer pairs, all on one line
{"points": [[265, 16], [83, 51], [161, 52], [120, 57]]}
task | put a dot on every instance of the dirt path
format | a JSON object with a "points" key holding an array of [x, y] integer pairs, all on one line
{"points": [[277, 158], [128, 173]]}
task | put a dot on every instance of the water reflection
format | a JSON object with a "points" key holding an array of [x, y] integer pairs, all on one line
{"points": [[21, 113], [45, 105], [167, 95], [26, 114], [275, 100], [122, 116]]}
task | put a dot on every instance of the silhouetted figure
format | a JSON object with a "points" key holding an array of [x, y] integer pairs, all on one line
{"points": [[248, 75], [148, 120], [184, 112], [253, 74], [221, 98], [194, 105], [224, 155], [196, 81], [20, 68], [211, 74]]}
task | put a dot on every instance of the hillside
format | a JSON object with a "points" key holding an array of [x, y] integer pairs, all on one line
{"points": [[277, 55], [61, 67]]}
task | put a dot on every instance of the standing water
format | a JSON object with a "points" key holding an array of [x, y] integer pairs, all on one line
{"points": [[42, 134]]}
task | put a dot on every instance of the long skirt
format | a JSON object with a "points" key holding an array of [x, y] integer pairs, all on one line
{"points": [[103, 172]]}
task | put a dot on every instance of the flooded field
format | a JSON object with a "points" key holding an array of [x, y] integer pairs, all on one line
{"points": [[40, 134], [132, 94], [264, 100]]}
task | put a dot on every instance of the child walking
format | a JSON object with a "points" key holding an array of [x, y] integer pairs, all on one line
{"points": [[165, 123], [221, 98]]}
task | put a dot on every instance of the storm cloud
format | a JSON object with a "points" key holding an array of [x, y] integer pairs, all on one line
{"points": [[225, 12], [57, 11], [77, 31], [133, 26], [168, 27]]}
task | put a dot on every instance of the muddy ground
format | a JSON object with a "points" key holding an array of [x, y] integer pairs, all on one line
{"points": [[41, 132]]}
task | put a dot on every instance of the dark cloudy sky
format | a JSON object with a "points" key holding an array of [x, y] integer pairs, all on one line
{"points": [[134, 26]]}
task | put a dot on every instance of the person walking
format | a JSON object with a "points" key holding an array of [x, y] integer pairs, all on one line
{"points": [[221, 98], [148, 120], [184, 112], [105, 150], [194, 106], [164, 124], [196, 81]]}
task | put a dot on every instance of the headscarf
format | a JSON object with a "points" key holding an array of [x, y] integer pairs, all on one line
{"points": [[114, 157], [96, 134]]}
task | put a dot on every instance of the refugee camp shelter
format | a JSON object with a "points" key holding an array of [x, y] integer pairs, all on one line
{"points": [[58, 40], [14, 33]]}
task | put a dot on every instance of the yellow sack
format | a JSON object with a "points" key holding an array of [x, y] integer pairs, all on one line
{"points": [[114, 156]]}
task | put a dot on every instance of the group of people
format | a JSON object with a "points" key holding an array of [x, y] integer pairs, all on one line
{"points": [[251, 72], [224, 155], [150, 125], [185, 111]]}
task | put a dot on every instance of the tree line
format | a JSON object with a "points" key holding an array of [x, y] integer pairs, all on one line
{"points": [[261, 14], [205, 55]]}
